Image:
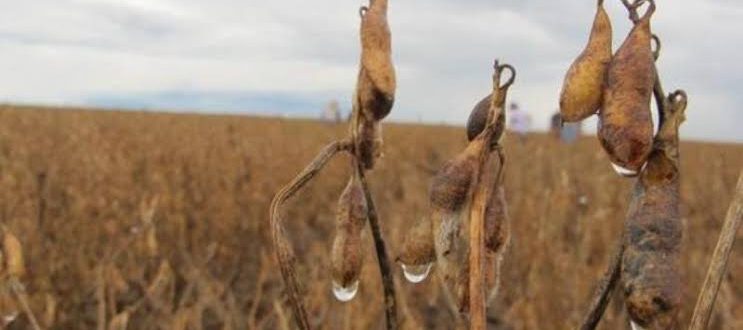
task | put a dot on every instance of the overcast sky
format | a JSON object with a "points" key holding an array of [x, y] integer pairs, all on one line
{"points": [[292, 56]]}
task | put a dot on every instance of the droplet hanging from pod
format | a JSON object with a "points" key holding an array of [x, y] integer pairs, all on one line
{"points": [[347, 253], [583, 87], [625, 121], [418, 252]]}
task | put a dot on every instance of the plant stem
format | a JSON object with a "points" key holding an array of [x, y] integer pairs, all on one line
{"points": [[20, 294], [476, 254], [284, 250], [603, 295], [388, 283], [718, 265]]}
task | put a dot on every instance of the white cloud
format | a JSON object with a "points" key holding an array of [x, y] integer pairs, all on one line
{"points": [[70, 51]]}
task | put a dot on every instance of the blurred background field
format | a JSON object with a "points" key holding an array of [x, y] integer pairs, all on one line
{"points": [[78, 187]]}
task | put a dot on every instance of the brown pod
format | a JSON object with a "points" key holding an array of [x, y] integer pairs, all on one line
{"points": [[583, 86], [653, 232], [418, 252], [369, 142], [347, 254], [625, 122], [479, 116], [450, 192], [418, 247], [497, 223], [451, 185], [376, 82], [497, 227]]}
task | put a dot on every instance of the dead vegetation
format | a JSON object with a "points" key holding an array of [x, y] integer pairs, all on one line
{"points": [[75, 185]]}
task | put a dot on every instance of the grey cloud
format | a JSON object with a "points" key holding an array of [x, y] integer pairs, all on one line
{"points": [[443, 51]]}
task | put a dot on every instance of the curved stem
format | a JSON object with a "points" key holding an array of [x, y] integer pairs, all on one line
{"points": [[656, 52], [284, 250], [383, 259], [606, 286], [511, 79]]}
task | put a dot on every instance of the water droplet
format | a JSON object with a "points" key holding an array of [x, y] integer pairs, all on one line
{"points": [[345, 293], [416, 273], [623, 171], [635, 326]]}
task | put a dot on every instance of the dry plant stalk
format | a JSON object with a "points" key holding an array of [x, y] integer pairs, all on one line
{"points": [[373, 100], [464, 191], [284, 250], [603, 293], [483, 190], [719, 262]]}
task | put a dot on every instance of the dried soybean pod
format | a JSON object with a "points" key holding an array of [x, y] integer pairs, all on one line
{"points": [[479, 116], [583, 86], [369, 141], [451, 185], [653, 230], [625, 122], [418, 252], [450, 193], [376, 82], [497, 222], [497, 228], [347, 253]]}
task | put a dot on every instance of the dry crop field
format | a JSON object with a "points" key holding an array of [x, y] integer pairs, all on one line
{"points": [[163, 219]]}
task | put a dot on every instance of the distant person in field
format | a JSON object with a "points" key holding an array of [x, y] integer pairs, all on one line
{"points": [[563, 131], [519, 121], [570, 132], [556, 125]]}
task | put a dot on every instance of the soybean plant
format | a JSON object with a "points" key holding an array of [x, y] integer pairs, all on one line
{"points": [[372, 102], [468, 228]]}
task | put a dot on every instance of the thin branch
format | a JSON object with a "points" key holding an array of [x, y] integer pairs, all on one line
{"points": [[603, 295], [718, 265], [100, 294], [20, 293], [284, 250], [388, 283]]}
